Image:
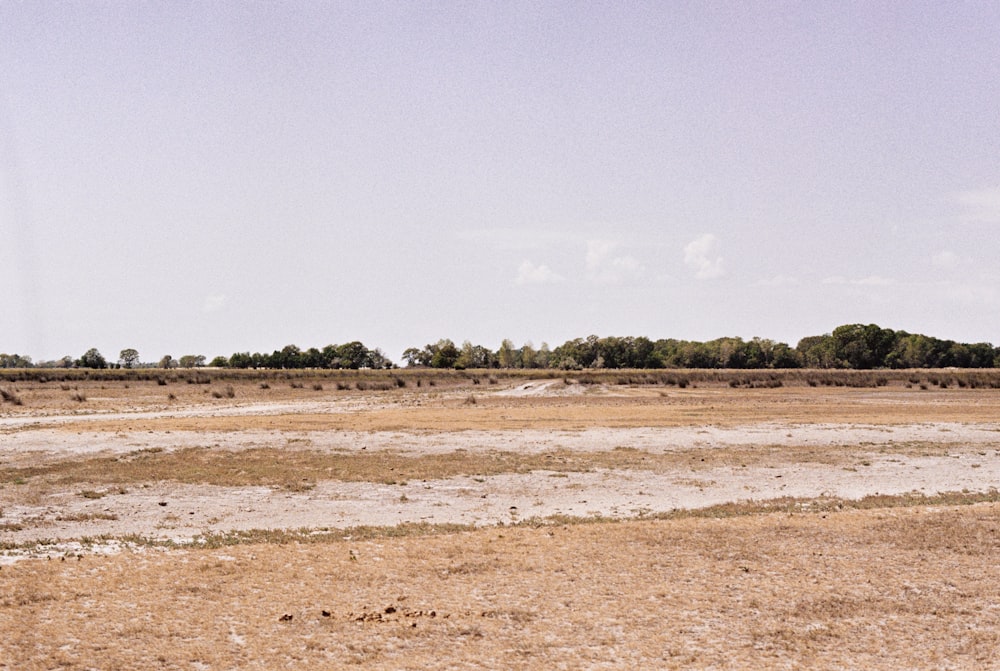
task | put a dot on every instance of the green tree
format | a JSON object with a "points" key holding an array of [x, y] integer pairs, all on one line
{"points": [[543, 357], [192, 361], [818, 351], [784, 356], [414, 356], [528, 356], [241, 360], [15, 361], [862, 346], [354, 355], [505, 355], [128, 358], [92, 359], [445, 354]]}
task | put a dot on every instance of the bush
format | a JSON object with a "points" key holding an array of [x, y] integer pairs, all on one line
{"points": [[11, 397]]}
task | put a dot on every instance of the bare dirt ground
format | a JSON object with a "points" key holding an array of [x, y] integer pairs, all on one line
{"points": [[526, 524]]}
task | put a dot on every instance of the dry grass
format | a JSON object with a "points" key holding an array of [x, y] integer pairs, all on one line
{"points": [[879, 583], [419, 410], [906, 588], [289, 468], [421, 399]]}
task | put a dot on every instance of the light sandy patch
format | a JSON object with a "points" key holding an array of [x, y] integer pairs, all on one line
{"points": [[47, 444], [177, 511]]}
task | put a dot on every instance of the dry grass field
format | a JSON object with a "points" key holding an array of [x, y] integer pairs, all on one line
{"points": [[420, 520]]}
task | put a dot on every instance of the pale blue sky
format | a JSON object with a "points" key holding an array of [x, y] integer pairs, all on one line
{"points": [[218, 177]]}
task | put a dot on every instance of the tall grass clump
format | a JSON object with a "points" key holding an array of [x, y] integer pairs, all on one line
{"points": [[11, 397]]}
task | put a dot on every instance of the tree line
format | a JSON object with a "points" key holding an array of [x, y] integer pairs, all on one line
{"points": [[352, 355], [851, 346]]}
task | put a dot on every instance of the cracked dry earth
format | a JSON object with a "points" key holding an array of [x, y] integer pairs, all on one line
{"points": [[492, 564]]}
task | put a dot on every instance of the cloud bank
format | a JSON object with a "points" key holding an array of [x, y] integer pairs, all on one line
{"points": [[700, 255], [529, 273]]}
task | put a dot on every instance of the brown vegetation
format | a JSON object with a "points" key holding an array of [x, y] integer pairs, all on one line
{"points": [[903, 581]]}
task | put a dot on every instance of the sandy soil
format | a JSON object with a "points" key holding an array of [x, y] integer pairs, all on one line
{"points": [[803, 459], [890, 588], [912, 588]]}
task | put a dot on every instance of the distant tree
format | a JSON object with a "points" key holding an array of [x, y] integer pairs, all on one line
{"points": [[465, 356], [92, 359], [445, 354], [329, 356], [354, 355], [241, 360], [290, 356], [862, 346], [15, 361], [543, 356], [783, 356], [528, 355], [818, 351], [414, 356], [377, 359], [192, 361], [312, 358], [506, 355], [128, 358], [219, 362], [474, 356]]}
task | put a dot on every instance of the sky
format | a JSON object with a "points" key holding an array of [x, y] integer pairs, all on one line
{"points": [[214, 177]]}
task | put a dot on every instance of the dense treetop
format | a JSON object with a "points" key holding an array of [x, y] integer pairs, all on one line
{"points": [[851, 346]]}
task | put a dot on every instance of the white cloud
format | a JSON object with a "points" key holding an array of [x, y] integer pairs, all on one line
{"points": [[597, 252], [516, 239], [778, 281], [946, 259], [700, 255], [529, 273], [981, 204], [870, 281], [874, 281], [213, 303], [604, 268]]}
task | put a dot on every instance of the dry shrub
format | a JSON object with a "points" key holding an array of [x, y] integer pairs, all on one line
{"points": [[11, 397]]}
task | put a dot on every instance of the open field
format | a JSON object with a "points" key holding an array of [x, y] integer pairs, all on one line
{"points": [[421, 519]]}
